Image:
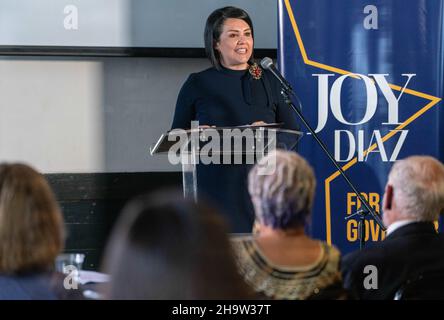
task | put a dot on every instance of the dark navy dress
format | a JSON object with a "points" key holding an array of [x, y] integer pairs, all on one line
{"points": [[230, 98]]}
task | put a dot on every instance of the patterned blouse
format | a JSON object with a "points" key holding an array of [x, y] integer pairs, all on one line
{"points": [[279, 282]]}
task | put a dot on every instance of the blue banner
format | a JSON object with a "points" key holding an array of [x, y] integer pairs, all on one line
{"points": [[369, 75]]}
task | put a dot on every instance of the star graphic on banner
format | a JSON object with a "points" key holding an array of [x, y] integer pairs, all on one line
{"points": [[432, 102]]}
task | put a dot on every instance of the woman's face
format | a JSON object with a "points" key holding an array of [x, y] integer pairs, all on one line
{"points": [[235, 44]]}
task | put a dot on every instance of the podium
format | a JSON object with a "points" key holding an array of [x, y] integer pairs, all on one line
{"points": [[221, 145]]}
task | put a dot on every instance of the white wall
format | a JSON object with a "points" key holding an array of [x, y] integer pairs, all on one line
{"points": [[88, 115], [101, 114]]}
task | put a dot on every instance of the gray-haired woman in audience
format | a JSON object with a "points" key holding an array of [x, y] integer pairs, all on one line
{"points": [[280, 261]]}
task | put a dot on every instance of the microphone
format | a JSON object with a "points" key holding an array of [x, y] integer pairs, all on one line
{"points": [[267, 64]]}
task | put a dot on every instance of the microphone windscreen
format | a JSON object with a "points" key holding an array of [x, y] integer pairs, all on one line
{"points": [[266, 63]]}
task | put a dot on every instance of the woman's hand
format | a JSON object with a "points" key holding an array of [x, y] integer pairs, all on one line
{"points": [[258, 123]]}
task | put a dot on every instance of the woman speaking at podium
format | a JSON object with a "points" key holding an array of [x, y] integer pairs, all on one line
{"points": [[234, 91]]}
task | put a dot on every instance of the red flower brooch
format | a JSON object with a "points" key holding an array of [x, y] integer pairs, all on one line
{"points": [[255, 71]]}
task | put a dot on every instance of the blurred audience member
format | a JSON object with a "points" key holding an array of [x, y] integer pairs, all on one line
{"points": [[414, 196], [280, 261], [31, 236], [166, 247]]}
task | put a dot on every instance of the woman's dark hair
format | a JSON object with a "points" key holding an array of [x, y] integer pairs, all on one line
{"points": [[166, 247], [213, 30]]}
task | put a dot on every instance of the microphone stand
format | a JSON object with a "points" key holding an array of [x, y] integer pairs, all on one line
{"points": [[287, 92]]}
